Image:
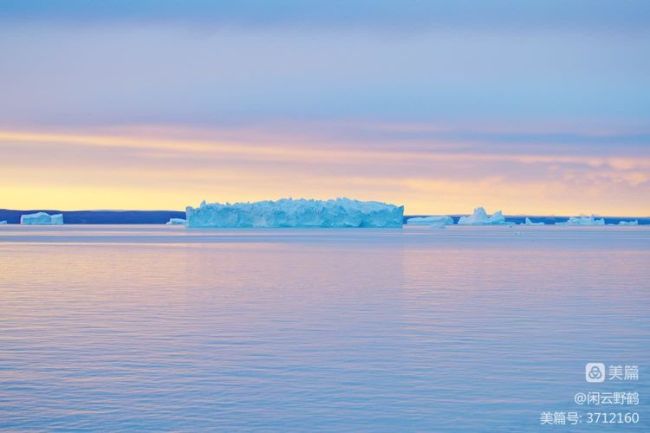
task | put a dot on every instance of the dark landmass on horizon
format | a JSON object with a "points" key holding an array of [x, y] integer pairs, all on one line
{"points": [[162, 216], [99, 216]]}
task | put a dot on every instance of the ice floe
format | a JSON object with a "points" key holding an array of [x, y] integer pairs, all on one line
{"points": [[435, 221], [480, 218], [342, 212], [41, 218], [583, 220]]}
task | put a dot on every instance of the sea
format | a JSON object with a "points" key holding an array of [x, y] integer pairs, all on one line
{"points": [[154, 328]]}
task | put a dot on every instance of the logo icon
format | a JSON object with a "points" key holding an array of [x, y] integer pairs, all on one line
{"points": [[595, 372]]}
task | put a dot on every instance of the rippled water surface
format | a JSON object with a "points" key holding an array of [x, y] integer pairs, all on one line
{"points": [[157, 328]]}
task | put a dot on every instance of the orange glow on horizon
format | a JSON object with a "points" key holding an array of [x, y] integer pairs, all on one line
{"points": [[97, 171]]}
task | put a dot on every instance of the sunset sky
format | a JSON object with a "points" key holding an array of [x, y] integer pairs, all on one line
{"points": [[538, 107]]}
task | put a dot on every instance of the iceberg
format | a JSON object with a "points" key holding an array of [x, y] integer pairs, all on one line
{"points": [[528, 222], [41, 218], [3, 222], [342, 212], [176, 221], [481, 218], [435, 221], [620, 223], [583, 220]]}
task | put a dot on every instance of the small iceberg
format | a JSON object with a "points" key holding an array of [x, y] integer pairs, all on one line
{"points": [[176, 222], [342, 212], [481, 218], [528, 222], [583, 220], [620, 223], [434, 221], [41, 218], [3, 222]]}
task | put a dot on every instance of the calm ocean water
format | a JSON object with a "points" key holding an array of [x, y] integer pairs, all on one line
{"points": [[158, 328]]}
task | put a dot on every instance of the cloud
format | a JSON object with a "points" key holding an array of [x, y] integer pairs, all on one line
{"points": [[173, 172], [94, 75], [583, 15]]}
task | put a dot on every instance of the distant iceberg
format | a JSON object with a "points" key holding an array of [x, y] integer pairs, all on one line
{"points": [[480, 218], [583, 220], [41, 218], [176, 221], [620, 223], [341, 212], [3, 222], [435, 221], [528, 222]]}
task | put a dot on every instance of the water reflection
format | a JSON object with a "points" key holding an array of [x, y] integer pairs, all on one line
{"points": [[157, 328]]}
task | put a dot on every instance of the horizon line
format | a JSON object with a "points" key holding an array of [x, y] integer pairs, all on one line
{"points": [[405, 215]]}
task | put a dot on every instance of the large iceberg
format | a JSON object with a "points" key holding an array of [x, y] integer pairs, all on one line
{"points": [[620, 223], [481, 218], [528, 222], [176, 222], [341, 212], [434, 221], [583, 220], [41, 218]]}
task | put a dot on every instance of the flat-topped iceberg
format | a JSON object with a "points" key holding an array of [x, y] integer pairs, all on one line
{"points": [[176, 222], [620, 223], [528, 222], [435, 221], [583, 220], [481, 218], [41, 218], [342, 212]]}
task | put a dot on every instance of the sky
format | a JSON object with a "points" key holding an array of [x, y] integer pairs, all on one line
{"points": [[536, 107]]}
